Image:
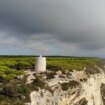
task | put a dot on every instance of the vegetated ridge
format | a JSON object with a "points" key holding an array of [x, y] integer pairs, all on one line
{"points": [[16, 90]]}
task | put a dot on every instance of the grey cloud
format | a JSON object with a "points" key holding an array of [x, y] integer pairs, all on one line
{"points": [[68, 21]]}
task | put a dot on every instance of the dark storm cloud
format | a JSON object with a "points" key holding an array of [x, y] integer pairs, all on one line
{"points": [[69, 21]]}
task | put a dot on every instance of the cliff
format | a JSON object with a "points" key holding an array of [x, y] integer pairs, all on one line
{"points": [[67, 89]]}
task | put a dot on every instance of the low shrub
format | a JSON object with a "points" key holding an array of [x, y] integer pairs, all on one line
{"points": [[70, 84]]}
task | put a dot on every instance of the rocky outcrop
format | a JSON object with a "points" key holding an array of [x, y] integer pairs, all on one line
{"points": [[92, 89], [89, 91], [83, 101], [102, 89]]}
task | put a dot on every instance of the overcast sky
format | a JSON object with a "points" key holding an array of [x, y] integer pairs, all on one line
{"points": [[52, 27]]}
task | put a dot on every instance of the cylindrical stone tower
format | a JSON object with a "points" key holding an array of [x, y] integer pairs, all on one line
{"points": [[40, 65]]}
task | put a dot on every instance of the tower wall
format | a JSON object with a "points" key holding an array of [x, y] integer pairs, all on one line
{"points": [[40, 65]]}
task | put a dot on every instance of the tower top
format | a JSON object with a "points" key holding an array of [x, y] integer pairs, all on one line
{"points": [[40, 56]]}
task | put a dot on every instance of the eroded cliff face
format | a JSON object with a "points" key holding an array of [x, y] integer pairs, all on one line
{"points": [[90, 91], [102, 89]]}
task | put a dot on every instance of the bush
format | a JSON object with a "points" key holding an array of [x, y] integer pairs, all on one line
{"points": [[39, 82], [7, 73], [64, 63], [12, 92], [90, 71], [50, 75], [70, 84]]}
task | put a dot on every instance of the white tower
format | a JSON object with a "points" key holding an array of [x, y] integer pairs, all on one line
{"points": [[40, 65]]}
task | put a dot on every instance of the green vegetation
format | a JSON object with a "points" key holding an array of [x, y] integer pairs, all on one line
{"points": [[7, 73], [50, 75], [71, 84], [90, 71], [38, 82], [14, 94], [10, 66], [13, 90], [55, 64], [17, 62]]}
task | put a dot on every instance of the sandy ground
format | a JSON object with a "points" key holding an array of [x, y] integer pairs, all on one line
{"points": [[30, 76]]}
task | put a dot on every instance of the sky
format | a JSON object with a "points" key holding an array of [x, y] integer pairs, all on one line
{"points": [[52, 27]]}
